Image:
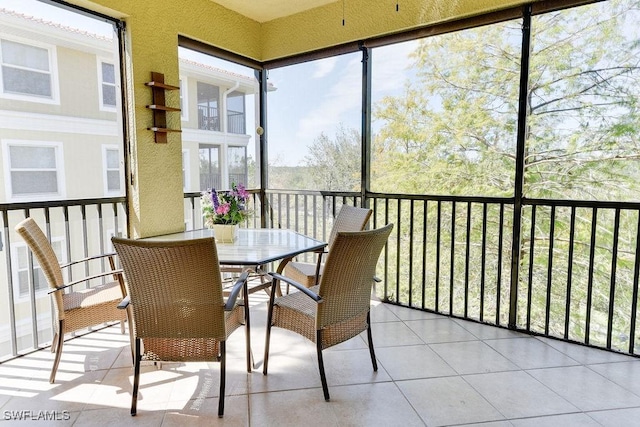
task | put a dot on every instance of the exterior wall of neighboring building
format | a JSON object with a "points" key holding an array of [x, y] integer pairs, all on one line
{"points": [[69, 145]]}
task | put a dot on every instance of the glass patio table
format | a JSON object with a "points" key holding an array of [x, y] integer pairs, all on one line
{"points": [[253, 248]]}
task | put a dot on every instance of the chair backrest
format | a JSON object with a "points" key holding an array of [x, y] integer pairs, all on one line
{"points": [[345, 285], [32, 234], [29, 230], [175, 287], [350, 218]]}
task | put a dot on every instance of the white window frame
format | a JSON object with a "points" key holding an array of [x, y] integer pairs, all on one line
{"points": [[61, 190], [101, 82], [15, 270], [53, 72], [184, 101], [186, 171], [105, 169]]}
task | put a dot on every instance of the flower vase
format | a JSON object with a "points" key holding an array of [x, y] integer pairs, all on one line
{"points": [[225, 233]]}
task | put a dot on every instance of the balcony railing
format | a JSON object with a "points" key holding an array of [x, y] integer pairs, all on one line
{"points": [[574, 275], [78, 228], [208, 118]]}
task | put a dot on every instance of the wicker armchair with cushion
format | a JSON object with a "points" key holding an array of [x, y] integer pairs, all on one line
{"points": [[75, 308], [178, 309], [338, 308], [349, 218]]}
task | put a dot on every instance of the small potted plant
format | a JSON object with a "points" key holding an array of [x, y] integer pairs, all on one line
{"points": [[223, 211]]}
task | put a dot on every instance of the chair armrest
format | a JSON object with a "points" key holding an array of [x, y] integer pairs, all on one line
{"points": [[90, 258], [240, 284], [308, 292], [85, 279], [124, 303]]}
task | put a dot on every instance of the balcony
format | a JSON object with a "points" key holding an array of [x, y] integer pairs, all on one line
{"points": [[439, 364], [433, 370]]}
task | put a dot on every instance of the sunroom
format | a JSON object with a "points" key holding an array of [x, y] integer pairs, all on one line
{"points": [[499, 137]]}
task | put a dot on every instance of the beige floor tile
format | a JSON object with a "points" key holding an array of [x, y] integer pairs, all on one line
{"points": [[404, 313], [391, 334], [625, 374], [372, 405], [484, 332], [566, 420], [530, 353], [584, 388], [204, 412], [472, 357], [440, 330], [412, 362], [447, 401], [583, 354], [291, 408], [517, 395], [617, 417]]}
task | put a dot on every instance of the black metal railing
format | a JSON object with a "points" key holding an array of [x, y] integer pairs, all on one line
{"points": [[236, 122], [576, 269], [574, 275], [77, 228], [208, 118]]}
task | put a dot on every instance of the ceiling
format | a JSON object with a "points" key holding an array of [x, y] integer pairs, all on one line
{"points": [[267, 10]]}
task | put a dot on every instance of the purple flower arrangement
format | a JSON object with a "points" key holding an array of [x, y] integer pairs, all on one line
{"points": [[228, 207]]}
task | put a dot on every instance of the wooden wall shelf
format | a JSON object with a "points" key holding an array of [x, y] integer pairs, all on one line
{"points": [[158, 88]]}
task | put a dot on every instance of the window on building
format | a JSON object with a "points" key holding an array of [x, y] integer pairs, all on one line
{"points": [[209, 166], [33, 169], [26, 70], [108, 86], [21, 267], [111, 158], [236, 113], [237, 158], [208, 107]]}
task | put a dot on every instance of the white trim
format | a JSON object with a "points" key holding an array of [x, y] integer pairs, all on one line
{"points": [[61, 190], [186, 171], [101, 105], [184, 96], [105, 169], [53, 72], [19, 120]]}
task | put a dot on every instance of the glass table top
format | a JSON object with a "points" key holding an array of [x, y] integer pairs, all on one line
{"points": [[253, 246]]}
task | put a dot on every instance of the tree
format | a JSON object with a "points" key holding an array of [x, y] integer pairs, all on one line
{"points": [[335, 164], [453, 132]]}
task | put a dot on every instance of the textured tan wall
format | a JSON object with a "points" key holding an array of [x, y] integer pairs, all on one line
{"points": [[156, 197]]}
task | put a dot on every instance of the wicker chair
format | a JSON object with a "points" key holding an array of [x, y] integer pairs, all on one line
{"points": [[338, 308], [178, 310], [74, 309], [349, 218]]}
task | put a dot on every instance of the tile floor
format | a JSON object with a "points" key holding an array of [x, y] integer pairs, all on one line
{"points": [[433, 371]]}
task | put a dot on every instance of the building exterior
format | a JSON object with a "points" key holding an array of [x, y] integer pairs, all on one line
{"points": [[61, 138]]}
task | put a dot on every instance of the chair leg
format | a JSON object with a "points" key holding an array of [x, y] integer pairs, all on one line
{"points": [[132, 343], [223, 372], [370, 339], [247, 330], [58, 342], [136, 377], [268, 334], [323, 378]]}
